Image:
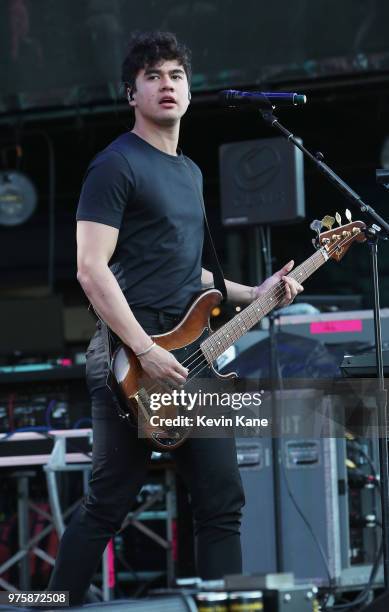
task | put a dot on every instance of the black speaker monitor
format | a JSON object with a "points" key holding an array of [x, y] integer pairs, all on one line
{"points": [[262, 182]]}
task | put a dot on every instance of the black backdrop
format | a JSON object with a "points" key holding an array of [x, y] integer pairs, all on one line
{"points": [[61, 52]]}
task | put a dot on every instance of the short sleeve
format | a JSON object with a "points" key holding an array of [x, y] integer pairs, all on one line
{"points": [[107, 189]]}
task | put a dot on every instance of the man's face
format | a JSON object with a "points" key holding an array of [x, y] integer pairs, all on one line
{"points": [[161, 93]]}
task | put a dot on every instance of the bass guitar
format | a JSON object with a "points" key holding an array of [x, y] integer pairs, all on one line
{"points": [[136, 388]]}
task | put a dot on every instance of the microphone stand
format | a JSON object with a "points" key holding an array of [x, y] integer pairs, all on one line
{"points": [[273, 375], [377, 229]]}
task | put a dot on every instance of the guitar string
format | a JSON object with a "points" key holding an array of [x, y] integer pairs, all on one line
{"points": [[194, 374], [200, 355], [277, 295]]}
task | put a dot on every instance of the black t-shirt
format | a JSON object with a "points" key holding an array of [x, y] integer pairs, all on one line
{"points": [[153, 199]]}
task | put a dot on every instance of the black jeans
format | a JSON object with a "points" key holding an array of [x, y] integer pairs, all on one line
{"points": [[120, 464]]}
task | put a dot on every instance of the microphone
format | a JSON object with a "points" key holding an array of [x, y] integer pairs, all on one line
{"points": [[261, 99]]}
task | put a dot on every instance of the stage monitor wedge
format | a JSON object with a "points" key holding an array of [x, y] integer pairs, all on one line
{"points": [[261, 182]]}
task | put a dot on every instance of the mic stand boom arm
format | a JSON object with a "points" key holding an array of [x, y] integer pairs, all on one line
{"points": [[317, 159], [379, 228]]}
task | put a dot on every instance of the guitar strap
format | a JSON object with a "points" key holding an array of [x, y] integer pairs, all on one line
{"points": [[215, 266], [216, 269]]}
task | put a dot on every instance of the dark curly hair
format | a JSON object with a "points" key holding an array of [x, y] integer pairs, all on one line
{"points": [[147, 49]]}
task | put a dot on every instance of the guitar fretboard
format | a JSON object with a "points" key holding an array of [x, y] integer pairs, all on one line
{"points": [[229, 333]]}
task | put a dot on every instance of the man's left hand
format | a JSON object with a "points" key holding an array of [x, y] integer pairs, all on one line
{"points": [[291, 286]]}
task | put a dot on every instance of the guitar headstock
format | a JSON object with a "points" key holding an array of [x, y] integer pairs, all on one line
{"points": [[337, 241]]}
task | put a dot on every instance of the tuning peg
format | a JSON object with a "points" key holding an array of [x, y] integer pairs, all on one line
{"points": [[328, 221], [316, 226], [348, 215], [338, 219]]}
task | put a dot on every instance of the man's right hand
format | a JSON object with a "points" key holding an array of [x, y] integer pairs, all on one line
{"points": [[161, 365]]}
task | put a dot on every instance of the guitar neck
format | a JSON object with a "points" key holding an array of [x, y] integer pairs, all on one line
{"points": [[229, 333]]}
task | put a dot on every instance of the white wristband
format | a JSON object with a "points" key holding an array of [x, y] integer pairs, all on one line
{"points": [[146, 351]]}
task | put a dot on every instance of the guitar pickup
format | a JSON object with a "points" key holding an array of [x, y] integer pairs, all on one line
{"points": [[143, 401]]}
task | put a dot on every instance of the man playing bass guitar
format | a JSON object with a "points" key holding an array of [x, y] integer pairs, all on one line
{"points": [[140, 230]]}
